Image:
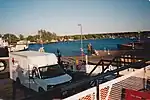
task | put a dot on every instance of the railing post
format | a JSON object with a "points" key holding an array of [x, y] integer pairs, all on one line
{"points": [[86, 59], [122, 94], [102, 66], [97, 85], [14, 90], [118, 66]]}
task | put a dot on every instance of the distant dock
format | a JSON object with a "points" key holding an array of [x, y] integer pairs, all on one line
{"points": [[102, 55]]}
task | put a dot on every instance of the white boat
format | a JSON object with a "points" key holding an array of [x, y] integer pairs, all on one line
{"points": [[3, 43], [41, 49], [12, 48], [18, 47]]}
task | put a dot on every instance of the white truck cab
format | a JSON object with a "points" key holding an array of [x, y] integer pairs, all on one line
{"points": [[38, 71]]}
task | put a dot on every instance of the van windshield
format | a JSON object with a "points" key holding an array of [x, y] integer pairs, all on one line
{"points": [[51, 71]]}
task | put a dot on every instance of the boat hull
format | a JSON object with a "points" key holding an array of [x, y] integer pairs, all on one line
{"points": [[124, 47]]}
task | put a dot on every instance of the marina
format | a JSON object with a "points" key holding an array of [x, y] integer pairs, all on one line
{"points": [[79, 78], [73, 47], [75, 50], [86, 70]]}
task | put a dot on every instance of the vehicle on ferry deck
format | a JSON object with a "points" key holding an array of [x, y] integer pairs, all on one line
{"points": [[38, 71]]}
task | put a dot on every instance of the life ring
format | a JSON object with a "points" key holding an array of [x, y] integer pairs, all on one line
{"points": [[3, 65], [78, 67]]}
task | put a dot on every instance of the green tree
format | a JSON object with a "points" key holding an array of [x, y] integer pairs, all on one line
{"points": [[46, 35], [21, 37], [31, 38], [10, 38], [76, 37], [89, 36]]}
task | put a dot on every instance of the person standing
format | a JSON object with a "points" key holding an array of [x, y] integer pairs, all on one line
{"points": [[59, 56], [89, 49]]}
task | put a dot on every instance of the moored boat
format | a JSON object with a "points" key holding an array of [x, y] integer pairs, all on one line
{"points": [[130, 46], [18, 47]]}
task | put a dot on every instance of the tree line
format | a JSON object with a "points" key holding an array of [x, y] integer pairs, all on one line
{"points": [[47, 36]]}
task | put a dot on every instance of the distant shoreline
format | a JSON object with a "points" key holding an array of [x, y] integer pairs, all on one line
{"points": [[80, 40]]}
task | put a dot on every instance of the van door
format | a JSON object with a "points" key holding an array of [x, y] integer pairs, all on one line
{"points": [[34, 79], [25, 78], [23, 72], [20, 73]]}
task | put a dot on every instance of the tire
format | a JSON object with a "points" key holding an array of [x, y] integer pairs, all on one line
{"points": [[41, 90]]}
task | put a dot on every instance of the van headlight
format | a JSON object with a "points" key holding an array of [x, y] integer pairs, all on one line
{"points": [[49, 87], [64, 93]]}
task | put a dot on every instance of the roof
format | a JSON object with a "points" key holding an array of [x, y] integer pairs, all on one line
{"points": [[31, 53]]}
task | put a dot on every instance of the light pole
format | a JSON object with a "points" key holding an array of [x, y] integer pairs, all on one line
{"points": [[81, 41]]}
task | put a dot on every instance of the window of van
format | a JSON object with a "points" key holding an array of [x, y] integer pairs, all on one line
{"points": [[51, 71], [35, 72]]}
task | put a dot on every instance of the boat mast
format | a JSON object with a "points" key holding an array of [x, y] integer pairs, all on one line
{"points": [[41, 39], [139, 36], [9, 39]]}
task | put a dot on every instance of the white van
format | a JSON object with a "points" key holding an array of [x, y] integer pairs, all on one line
{"points": [[36, 70]]}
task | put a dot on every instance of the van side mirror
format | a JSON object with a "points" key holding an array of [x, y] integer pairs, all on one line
{"points": [[31, 77]]}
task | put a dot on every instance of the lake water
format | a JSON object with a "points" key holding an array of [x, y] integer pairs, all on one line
{"points": [[72, 48]]}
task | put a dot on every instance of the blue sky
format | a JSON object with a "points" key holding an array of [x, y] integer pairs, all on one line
{"points": [[63, 16]]}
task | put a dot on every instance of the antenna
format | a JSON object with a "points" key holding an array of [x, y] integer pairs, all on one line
{"points": [[9, 39]]}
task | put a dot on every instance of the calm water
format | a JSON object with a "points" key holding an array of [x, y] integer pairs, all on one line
{"points": [[73, 48]]}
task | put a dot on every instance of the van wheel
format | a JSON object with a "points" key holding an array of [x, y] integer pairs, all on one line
{"points": [[18, 83], [41, 90]]}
